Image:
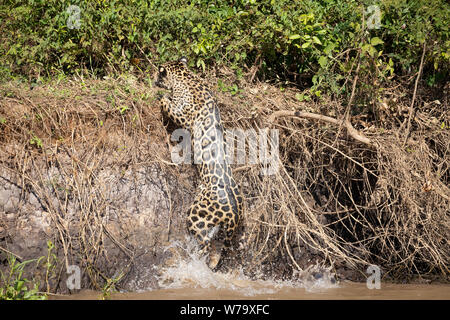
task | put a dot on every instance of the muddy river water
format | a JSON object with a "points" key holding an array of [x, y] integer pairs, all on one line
{"points": [[346, 290], [189, 278]]}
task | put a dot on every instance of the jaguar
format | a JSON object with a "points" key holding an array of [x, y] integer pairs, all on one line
{"points": [[218, 205]]}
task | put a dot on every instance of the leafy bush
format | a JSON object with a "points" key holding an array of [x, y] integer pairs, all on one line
{"points": [[311, 43], [14, 287]]}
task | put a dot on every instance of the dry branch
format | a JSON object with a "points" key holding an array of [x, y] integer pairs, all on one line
{"points": [[355, 134], [411, 108]]}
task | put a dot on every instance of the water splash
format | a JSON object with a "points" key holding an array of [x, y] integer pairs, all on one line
{"points": [[188, 270], [316, 279]]}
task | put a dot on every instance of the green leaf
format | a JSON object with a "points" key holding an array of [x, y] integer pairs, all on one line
{"points": [[329, 48], [201, 63], [19, 285], [306, 45], [316, 40], [294, 36], [300, 96], [366, 47], [323, 61], [375, 41]]}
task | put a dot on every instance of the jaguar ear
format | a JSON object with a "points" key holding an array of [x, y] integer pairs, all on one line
{"points": [[184, 60], [162, 71]]}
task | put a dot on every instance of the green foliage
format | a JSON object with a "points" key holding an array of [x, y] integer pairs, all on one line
{"points": [[110, 286], [313, 43], [50, 262], [36, 141], [14, 287]]}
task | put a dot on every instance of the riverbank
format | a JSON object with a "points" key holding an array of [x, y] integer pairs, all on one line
{"points": [[86, 164]]}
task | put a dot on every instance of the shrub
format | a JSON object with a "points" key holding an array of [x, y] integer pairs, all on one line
{"points": [[319, 45]]}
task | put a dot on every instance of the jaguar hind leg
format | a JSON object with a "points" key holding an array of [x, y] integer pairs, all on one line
{"points": [[214, 255], [208, 247], [229, 233], [204, 235]]}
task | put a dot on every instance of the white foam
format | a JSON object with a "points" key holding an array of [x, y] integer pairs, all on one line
{"points": [[191, 271]]}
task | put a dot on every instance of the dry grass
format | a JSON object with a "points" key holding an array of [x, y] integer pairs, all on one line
{"points": [[356, 204], [81, 129], [345, 202]]}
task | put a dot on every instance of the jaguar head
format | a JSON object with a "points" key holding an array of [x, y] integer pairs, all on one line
{"points": [[171, 73]]}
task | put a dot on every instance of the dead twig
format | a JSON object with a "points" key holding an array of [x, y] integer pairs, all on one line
{"points": [[11, 253], [411, 108], [355, 134], [149, 61]]}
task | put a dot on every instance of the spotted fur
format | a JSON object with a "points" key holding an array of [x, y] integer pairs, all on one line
{"points": [[217, 208]]}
